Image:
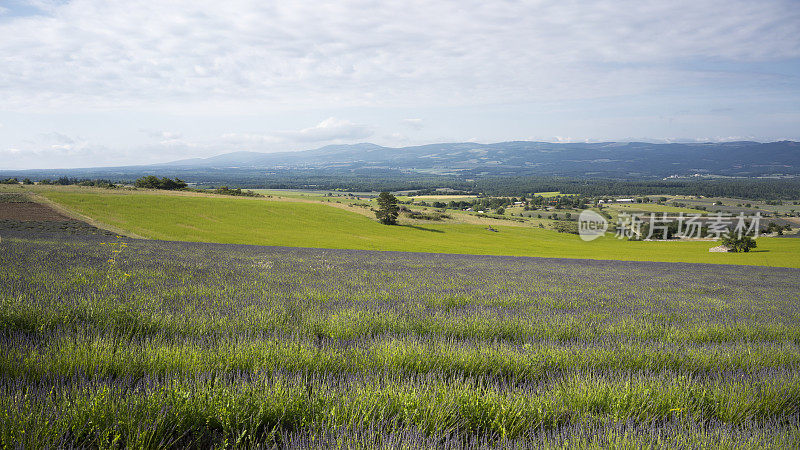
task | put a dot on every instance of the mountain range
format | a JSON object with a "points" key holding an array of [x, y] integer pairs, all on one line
{"points": [[466, 160], [608, 159]]}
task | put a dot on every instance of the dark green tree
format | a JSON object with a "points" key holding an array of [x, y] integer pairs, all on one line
{"points": [[387, 209], [148, 182], [169, 184], [739, 244], [153, 182]]}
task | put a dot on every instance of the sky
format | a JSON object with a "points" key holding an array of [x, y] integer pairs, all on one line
{"points": [[89, 83]]}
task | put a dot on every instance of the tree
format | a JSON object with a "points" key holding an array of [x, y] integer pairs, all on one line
{"points": [[168, 184], [148, 182], [387, 209], [739, 244], [152, 182]]}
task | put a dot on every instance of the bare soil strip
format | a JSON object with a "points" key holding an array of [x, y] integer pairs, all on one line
{"points": [[59, 209], [29, 211], [35, 215]]}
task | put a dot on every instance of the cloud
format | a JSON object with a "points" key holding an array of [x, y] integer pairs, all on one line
{"points": [[416, 124], [330, 129], [243, 54], [56, 149], [57, 138], [205, 76], [60, 150], [173, 139], [52, 149], [161, 134]]}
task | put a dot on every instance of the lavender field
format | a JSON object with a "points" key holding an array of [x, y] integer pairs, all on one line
{"points": [[122, 343]]}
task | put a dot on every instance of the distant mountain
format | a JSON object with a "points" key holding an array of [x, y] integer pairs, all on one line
{"points": [[608, 159], [468, 160]]}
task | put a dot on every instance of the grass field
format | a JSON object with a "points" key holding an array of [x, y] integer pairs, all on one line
{"points": [[441, 198], [314, 195], [217, 219], [151, 344], [786, 206], [649, 207]]}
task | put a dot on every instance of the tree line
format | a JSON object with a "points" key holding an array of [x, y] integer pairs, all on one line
{"points": [[153, 182], [506, 186]]}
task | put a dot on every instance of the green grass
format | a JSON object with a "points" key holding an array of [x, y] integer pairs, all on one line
{"points": [[549, 194], [297, 224], [314, 195], [650, 207], [434, 198]]}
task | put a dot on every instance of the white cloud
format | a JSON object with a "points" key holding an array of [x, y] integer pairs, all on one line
{"points": [[168, 138], [57, 150], [249, 139], [207, 77], [245, 54], [416, 124], [56, 138], [171, 134], [330, 129], [52, 150]]}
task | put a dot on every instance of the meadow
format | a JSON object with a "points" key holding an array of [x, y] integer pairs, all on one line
{"points": [[294, 223], [648, 208], [111, 342]]}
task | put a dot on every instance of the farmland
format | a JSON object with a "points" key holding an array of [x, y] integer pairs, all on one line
{"points": [[291, 222], [117, 342], [109, 341]]}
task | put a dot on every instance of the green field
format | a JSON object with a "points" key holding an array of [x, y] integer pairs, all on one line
{"points": [[284, 223], [312, 195], [649, 207]]}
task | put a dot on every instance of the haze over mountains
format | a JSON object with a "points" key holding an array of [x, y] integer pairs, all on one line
{"points": [[633, 160]]}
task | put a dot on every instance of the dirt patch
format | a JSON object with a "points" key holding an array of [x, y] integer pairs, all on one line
{"points": [[29, 212], [40, 228], [20, 217]]}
